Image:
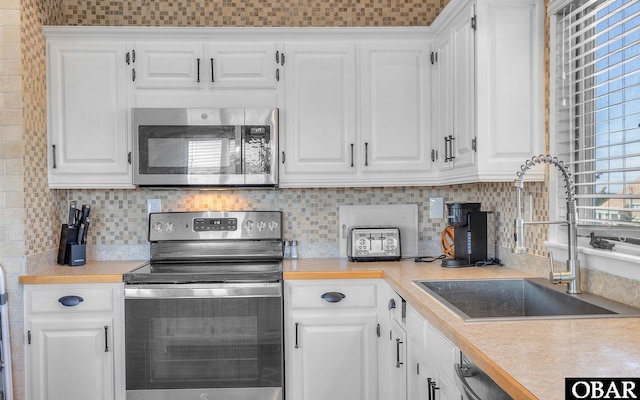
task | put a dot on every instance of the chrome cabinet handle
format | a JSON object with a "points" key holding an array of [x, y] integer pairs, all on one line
{"points": [[198, 71], [333, 297], [54, 156], [283, 157], [70, 301], [398, 343], [296, 344], [213, 77]]}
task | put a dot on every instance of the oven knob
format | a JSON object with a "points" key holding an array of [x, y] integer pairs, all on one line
{"points": [[261, 225], [204, 396], [273, 225], [158, 226], [248, 225], [170, 227]]}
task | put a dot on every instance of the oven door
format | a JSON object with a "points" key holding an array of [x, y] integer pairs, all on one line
{"points": [[204, 341]]}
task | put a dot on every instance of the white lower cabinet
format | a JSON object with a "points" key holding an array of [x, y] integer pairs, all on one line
{"points": [[74, 351], [331, 340]]}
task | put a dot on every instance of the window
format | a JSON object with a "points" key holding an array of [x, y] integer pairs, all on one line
{"points": [[597, 108]]}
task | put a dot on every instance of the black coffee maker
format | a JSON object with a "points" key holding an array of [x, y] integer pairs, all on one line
{"points": [[473, 235]]}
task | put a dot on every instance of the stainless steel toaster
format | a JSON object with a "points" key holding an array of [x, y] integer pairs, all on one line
{"points": [[374, 243]]}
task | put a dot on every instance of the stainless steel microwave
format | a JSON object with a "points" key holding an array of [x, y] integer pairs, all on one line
{"points": [[202, 147]]}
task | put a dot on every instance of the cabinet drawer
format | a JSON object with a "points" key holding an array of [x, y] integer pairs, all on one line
{"points": [[311, 296], [47, 300]]}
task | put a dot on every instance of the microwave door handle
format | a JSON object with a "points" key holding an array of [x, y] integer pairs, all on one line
{"points": [[240, 138]]}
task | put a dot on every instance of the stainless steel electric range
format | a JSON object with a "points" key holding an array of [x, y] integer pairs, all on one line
{"points": [[203, 319]]}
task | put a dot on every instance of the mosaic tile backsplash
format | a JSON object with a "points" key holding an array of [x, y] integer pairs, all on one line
{"points": [[119, 217]]}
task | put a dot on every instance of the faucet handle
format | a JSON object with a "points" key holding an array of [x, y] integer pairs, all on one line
{"points": [[560, 276]]}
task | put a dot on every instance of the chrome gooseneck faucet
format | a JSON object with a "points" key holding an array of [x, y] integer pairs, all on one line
{"points": [[571, 276]]}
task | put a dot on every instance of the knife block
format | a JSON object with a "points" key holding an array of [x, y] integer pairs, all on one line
{"points": [[69, 251]]}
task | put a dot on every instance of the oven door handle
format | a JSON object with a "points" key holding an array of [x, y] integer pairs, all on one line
{"points": [[209, 290]]}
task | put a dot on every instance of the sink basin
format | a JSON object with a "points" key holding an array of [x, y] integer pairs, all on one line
{"points": [[518, 299]]}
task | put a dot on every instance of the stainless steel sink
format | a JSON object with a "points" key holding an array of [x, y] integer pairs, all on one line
{"points": [[518, 299]]}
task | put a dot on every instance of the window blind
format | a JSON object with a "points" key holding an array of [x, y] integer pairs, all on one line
{"points": [[597, 113]]}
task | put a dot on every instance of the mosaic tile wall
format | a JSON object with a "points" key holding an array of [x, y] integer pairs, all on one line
{"points": [[254, 12], [12, 201]]}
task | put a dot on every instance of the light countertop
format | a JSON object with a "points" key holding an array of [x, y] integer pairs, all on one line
{"points": [[529, 359]]}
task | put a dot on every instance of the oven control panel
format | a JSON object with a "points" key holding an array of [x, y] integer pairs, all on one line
{"points": [[215, 225]]}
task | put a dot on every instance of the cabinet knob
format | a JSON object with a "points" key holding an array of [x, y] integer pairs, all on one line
{"points": [[70, 301], [333, 297]]}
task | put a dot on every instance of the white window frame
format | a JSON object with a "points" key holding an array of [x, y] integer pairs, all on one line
{"points": [[624, 259]]}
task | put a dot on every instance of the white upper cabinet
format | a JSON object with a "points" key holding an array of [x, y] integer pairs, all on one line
{"points": [[234, 65], [319, 135], [88, 136], [356, 126], [394, 94], [165, 64], [489, 76], [194, 64], [510, 79]]}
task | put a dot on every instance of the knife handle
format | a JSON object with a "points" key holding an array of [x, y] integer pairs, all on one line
{"points": [[81, 234], [83, 238], [86, 209], [72, 213]]}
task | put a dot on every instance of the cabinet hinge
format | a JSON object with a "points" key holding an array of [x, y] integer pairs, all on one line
{"points": [[129, 158], [474, 22], [474, 144], [29, 337], [378, 330]]}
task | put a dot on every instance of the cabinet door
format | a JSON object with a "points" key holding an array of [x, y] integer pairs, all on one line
{"points": [[463, 67], [454, 111], [418, 371], [398, 367], [320, 112], [72, 360], [510, 85], [169, 65], [395, 113], [240, 65], [87, 104], [333, 356]]}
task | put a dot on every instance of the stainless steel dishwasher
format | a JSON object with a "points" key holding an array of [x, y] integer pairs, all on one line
{"points": [[474, 384]]}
